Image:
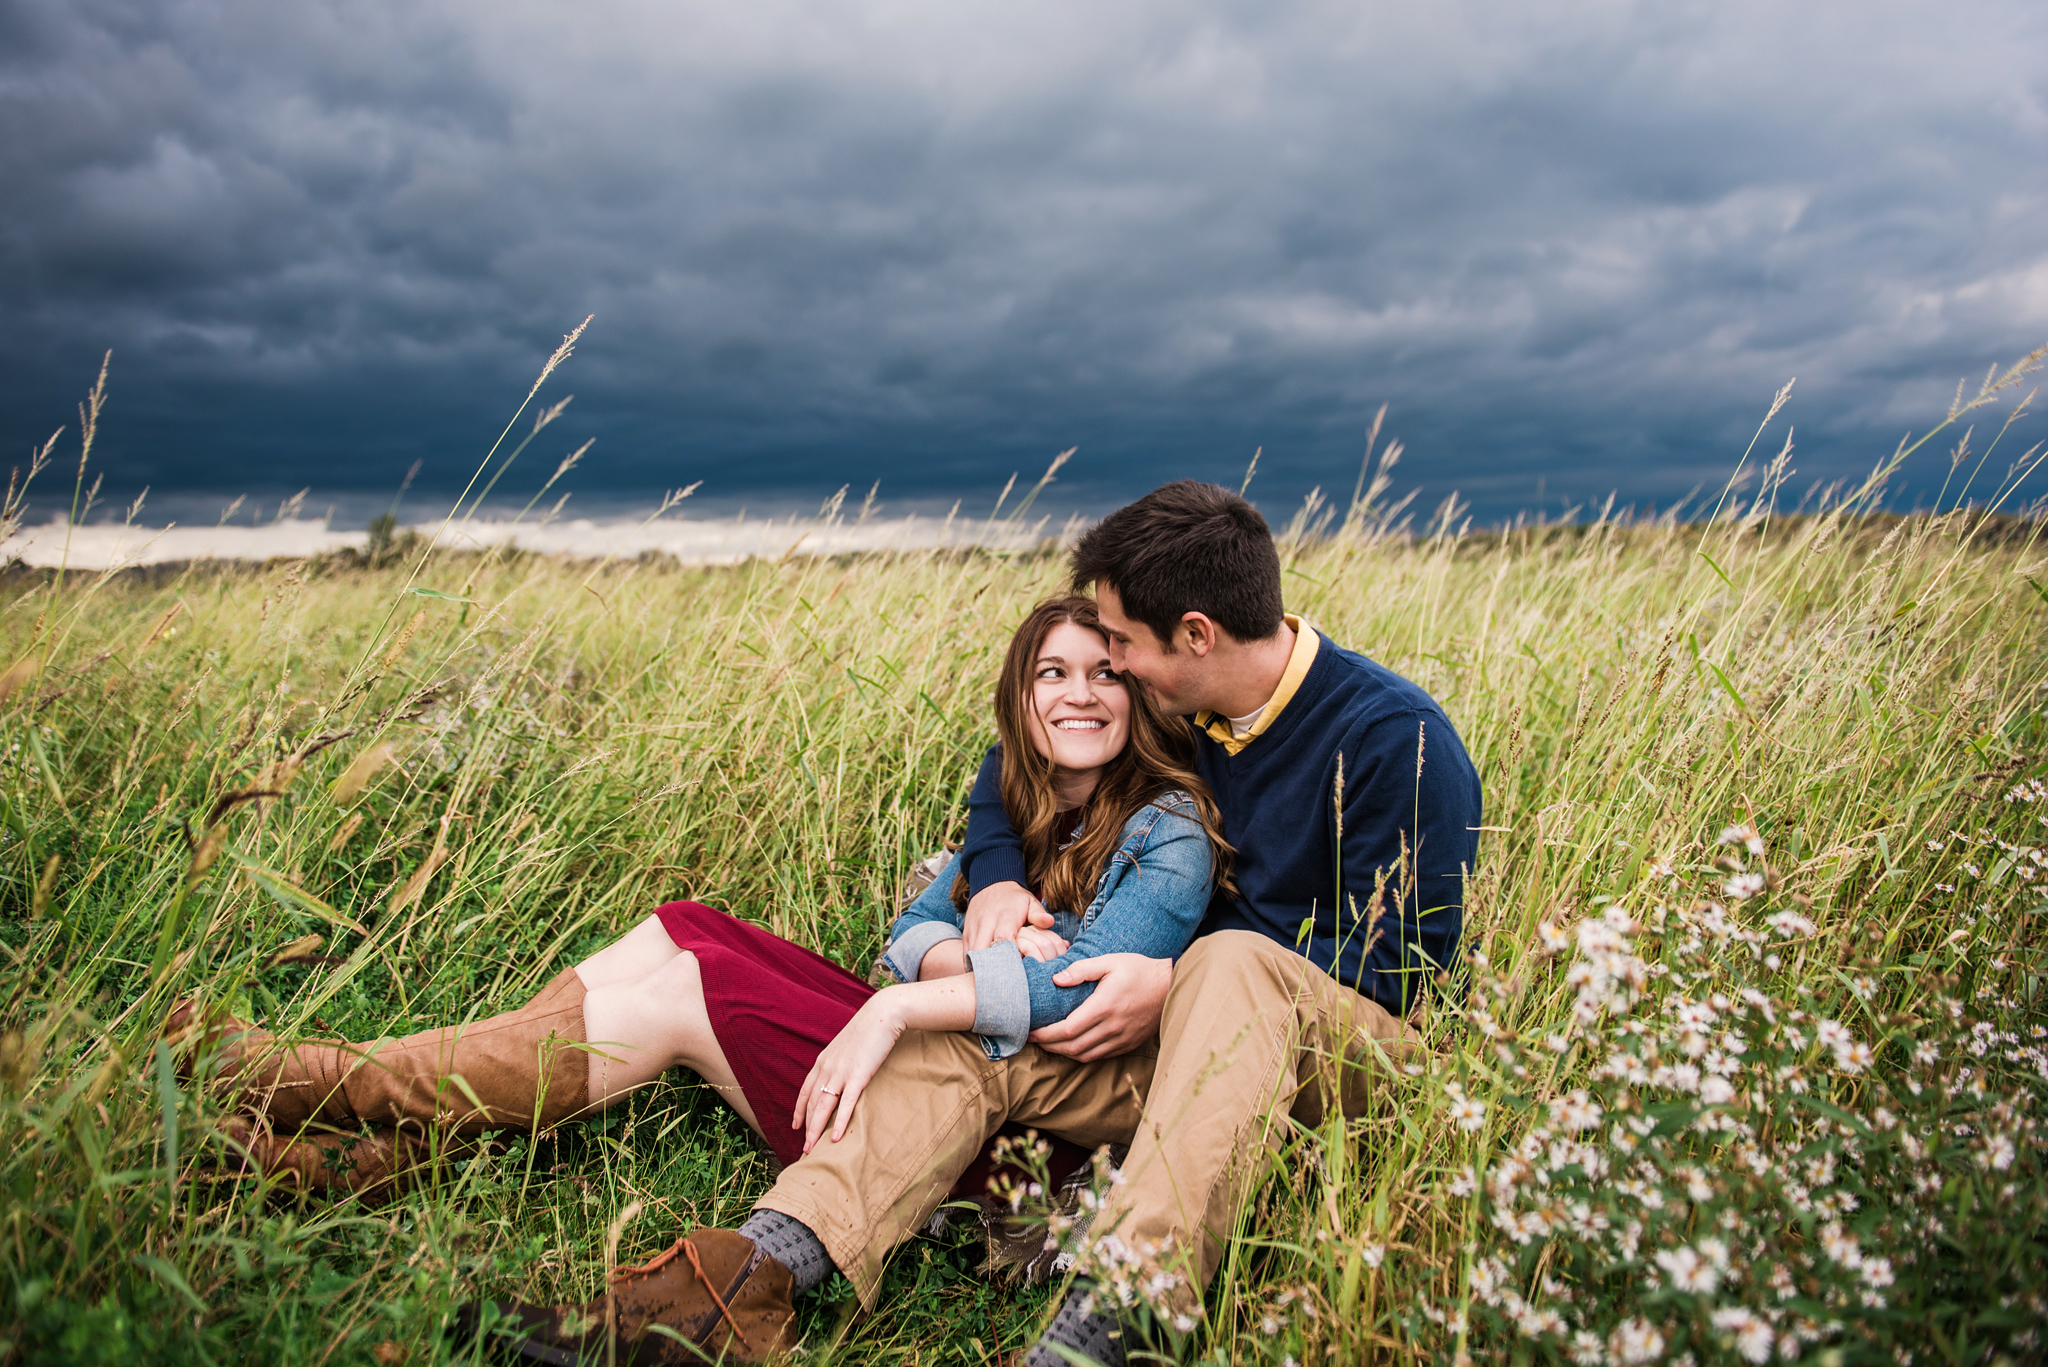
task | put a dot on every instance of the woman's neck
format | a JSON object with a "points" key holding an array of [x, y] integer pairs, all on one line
{"points": [[1073, 787]]}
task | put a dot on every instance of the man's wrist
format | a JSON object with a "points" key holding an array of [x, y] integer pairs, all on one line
{"points": [[986, 868]]}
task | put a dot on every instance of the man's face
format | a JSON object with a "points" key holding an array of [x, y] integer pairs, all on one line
{"points": [[1175, 679]]}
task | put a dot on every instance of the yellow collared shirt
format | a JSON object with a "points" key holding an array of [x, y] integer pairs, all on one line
{"points": [[1307, 640]]}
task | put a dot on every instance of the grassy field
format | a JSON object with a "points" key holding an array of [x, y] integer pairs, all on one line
{"points": [[462, 773]]}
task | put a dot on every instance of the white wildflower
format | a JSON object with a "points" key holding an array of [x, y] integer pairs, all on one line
{"points": [[1752, 1333], [1840, 1246], [1998, 1152], [1635, 1342], [1576, 1112], [1744, 886], [1789, 924], [1689, 1271], [1489, 1276], [1467, 1114]]}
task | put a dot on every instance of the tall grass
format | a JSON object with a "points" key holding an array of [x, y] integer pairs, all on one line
{"points": [[464, 772]]}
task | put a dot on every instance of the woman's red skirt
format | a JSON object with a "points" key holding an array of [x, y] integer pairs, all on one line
{"points": [[774, 1007]]}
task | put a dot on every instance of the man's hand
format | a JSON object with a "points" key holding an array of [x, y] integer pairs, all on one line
{"points": [[999, 911], [1122, 1013]]}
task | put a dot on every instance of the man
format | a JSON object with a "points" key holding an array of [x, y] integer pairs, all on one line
{"points": [[1353, 810]]}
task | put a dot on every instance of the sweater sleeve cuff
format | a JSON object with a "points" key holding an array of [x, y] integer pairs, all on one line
{"points": [[996, 864], [906, 954], [1002, 997]]}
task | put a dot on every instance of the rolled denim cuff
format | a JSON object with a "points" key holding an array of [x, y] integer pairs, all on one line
{"points": [[906, 954], [1002, 998]]}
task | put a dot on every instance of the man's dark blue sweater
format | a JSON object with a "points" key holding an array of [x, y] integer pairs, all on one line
{"points": [[1377, 903]]}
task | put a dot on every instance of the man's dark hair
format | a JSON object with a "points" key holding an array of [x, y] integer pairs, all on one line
{"points": [[1186, 547]]}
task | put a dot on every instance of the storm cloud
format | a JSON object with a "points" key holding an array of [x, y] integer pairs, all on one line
{"points": [[930, 243]]}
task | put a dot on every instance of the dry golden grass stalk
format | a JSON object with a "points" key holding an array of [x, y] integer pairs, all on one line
{"points": [[405, 635], [22, 671], [359, 772], [298, 951]]}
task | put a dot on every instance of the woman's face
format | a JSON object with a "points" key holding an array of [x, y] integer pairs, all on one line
{"points": [[1081, 710]]}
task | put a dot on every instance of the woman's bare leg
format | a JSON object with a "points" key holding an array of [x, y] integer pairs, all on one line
{"points": [[640, 1027], [635, 954]]}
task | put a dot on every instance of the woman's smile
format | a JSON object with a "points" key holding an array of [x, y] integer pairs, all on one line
{"points": [[1081, 706]]}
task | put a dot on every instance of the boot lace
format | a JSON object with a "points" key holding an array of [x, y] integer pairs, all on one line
{"points": [[688, 1250]]}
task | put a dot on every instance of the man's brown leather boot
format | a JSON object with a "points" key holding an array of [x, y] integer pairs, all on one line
{"points": [[727, 1299], [512, 1069]]}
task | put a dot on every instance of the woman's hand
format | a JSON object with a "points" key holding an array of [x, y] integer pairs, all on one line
{"points": [[1042, 945], [842, 1071], [848, 1063]]}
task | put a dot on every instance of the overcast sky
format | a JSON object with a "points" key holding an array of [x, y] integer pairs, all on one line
{"points": [[934, 241]]}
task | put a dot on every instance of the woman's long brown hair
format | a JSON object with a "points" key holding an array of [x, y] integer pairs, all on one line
{"points": [[1158, 758]]}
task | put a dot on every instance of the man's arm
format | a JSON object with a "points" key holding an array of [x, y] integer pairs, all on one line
{"points": [[1412, 809], [999, 905], [1130, 994]]}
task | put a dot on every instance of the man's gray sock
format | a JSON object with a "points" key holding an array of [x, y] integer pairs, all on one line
{"points": [[790, 1242], [1081, 1327]]}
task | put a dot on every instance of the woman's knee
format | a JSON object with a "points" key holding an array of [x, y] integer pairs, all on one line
{"points": [[640, 951], [682, 976]]}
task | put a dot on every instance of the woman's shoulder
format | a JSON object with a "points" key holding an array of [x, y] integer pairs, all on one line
{"points": [[1168, 807]]}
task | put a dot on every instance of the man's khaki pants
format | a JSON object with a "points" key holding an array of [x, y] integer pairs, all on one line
{"points": [[1252, 1032]]}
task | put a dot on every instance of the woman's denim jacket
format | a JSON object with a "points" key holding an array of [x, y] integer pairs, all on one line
{"points": [[1149, 900]]}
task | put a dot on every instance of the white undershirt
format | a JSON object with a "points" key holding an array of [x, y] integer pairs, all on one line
{"points": [[1240, 727]]}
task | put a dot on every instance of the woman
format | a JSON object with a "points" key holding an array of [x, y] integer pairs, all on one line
{"points": [[1115, 823]]}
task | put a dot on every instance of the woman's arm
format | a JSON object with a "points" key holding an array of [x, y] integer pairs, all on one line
{"points": [[929, 924], [946, 959], [842, 1071], [925, 942], [1154, 910]]}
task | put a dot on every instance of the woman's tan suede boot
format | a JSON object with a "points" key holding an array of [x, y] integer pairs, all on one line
{"points": [[521, 1069], [375, 1167]]}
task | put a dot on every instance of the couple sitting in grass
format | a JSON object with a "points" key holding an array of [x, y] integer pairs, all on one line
{"points": [[1211, 868]]}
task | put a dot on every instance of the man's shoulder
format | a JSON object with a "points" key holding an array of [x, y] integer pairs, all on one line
{"points": [[1362, 691]]}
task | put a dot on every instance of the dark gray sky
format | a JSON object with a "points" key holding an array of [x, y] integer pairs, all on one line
{"points": [[931, 243]]}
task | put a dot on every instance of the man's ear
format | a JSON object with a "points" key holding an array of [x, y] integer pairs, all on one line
{"points": [[1198, 633]]}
